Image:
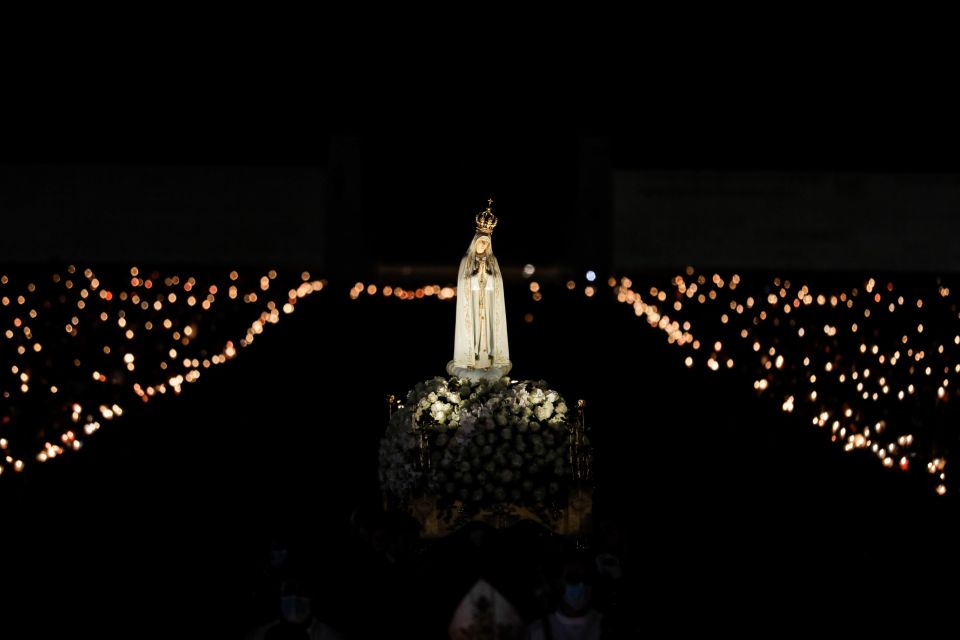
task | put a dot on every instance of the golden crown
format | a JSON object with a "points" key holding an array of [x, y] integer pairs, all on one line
{"points": [[486, 221]]}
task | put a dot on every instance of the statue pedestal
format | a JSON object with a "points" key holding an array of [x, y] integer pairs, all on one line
{"points": [[573, 519], [469, 373]]}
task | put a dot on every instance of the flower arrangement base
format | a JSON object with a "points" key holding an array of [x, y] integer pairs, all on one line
{"points": [[499, 451]]}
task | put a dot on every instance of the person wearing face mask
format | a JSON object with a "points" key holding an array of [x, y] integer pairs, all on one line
{"points": [[296, 619], [575, 618]]}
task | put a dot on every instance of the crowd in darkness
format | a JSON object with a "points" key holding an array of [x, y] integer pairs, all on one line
{"points": [[235, 505], [386, 580], [248, 506]]}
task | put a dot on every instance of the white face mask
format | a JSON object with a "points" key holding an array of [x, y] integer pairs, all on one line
{"points": [[295, 609], [576, 596]]}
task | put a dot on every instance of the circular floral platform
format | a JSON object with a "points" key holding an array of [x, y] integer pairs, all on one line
{"points": [[457, 450]]}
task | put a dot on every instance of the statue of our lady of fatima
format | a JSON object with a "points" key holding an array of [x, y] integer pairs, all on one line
{"points": [[480, 349]]}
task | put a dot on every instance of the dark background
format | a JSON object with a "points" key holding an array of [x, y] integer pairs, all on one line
{"points": [[363, 203], [170, 528]]}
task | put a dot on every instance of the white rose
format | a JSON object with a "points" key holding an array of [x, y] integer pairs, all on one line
{"points": [[544, 411], [440, 411]]}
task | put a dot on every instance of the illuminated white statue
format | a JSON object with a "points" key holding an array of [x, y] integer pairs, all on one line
{"points": [[480, 348]]}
